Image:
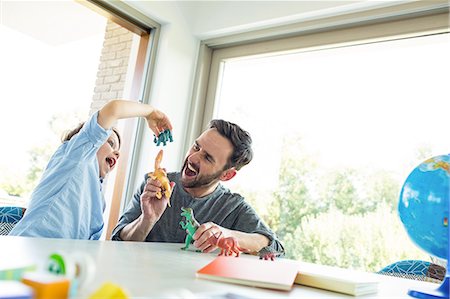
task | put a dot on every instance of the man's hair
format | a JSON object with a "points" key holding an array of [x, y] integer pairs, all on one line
{"points": [[239, 138], [67, 136]]}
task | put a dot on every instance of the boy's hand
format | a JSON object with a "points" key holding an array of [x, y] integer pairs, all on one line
{"points": [[158, 122]]}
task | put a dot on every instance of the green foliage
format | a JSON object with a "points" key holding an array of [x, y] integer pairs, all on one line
{"points": [[13, 185], [383, 187], [345, 217], [19, 184], [293, 200], [366, 242], [343, 189]]}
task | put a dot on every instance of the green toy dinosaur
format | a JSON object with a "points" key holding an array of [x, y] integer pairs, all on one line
{"points": [[190, 226]]}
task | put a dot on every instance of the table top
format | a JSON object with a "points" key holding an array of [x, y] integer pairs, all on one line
{"points": [[152, 270]]}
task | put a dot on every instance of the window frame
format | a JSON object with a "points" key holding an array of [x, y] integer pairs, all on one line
{"points": [[389, 21], [133, 131]]}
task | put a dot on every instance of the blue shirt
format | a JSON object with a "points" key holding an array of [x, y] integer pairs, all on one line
{"points": [[68, 202]]}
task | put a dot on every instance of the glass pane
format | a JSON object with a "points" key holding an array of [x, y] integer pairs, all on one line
{"points": [[60, 62], [335, 133]]}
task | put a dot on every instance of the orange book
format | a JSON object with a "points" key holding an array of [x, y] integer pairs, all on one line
{"points": [[250, 270]]}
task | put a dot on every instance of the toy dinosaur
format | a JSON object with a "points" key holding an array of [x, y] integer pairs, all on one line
{"points": [[227, 245], [163, 138], [160, 175], [268, 253], [191, 225]]}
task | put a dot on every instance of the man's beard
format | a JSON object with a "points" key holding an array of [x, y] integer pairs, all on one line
{"points": [[200, 181]]}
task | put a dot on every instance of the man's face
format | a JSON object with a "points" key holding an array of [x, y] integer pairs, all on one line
{"points": [[206, 159], [108, 154]]}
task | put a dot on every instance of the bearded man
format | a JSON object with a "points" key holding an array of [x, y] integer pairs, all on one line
{"points": [[216, 156]]}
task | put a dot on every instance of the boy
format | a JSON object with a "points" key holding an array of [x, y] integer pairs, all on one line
{"points": [[68, 203]]}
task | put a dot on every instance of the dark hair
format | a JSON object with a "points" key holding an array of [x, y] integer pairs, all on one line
{"points": [[68, 135], [239, 138]]}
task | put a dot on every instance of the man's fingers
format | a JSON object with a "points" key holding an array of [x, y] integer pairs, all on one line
{"points": [[152, 188], [151, 182], [209, 249], [201, 229]]}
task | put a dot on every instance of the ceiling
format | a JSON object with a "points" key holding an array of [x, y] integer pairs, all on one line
{"points": [[59, 22], [51, 22]]}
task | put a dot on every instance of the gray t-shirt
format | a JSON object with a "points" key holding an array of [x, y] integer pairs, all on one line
{"points": [[229, 210]]}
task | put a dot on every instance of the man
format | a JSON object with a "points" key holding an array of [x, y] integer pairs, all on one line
{"points": [[215, 156]]}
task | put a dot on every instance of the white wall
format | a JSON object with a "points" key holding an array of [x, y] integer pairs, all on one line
{"points": [[172, 81]]}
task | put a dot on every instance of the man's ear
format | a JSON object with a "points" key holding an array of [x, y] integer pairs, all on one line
{"points": [[228, 174]]}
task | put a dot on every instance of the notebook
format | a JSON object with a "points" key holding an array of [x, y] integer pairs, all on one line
{"points": [[250, 270], [339, 280]]}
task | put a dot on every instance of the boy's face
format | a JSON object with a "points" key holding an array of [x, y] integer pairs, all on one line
{"points": [[107, 155]]}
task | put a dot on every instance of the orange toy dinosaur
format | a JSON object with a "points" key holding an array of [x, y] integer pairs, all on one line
{"points": [[228, 245], [160, 175]]}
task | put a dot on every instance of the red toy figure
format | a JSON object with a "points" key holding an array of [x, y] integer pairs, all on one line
{"points": [[228, 245]]}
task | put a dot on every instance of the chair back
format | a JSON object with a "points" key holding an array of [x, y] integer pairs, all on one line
{"points": [[9, 216], [415, 269]]}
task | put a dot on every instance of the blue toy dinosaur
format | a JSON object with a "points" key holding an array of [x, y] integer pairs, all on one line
{"points": [[163, 138]]}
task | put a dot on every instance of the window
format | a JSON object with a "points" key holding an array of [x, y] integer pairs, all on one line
{"points": [[339, 118], [61, 62]]}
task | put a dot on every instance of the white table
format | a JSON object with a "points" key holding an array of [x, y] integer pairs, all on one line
{"points": [[162, 270]]}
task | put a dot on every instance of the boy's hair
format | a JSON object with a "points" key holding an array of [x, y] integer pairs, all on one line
{"points": [[68, 135], [239, 138]]}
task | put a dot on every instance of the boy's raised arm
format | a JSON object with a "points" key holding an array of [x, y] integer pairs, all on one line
{"points": [[119, 109]]}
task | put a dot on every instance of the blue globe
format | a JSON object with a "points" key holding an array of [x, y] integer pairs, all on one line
{"points": [[424, 205]]}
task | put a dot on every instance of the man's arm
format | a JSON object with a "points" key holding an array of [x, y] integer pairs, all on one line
{"points": [[250, 241], [144, 211], [137, 230]]}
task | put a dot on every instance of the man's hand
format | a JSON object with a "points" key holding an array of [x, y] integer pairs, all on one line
{"points": [[206, 232], [206, 236], [152, 208]]}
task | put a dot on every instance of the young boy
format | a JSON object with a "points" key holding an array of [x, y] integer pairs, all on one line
{"points": [[68, 203]]}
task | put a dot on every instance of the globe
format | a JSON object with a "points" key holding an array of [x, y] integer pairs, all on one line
{"points": [[424, 205]]}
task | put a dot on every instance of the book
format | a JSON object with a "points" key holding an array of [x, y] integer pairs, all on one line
{"points": [[339, 280], [250, 270]]}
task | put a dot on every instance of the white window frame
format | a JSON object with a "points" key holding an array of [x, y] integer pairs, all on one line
{"points": [[390, 21], [140, 24]]}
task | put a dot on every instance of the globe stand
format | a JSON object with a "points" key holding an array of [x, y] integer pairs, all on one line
{"points": [[443, 290]]}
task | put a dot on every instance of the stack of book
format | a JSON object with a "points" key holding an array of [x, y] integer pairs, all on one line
{"points": [[281, 274]]}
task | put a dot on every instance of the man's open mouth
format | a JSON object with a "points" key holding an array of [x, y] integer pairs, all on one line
{"points": [[190, 170]]}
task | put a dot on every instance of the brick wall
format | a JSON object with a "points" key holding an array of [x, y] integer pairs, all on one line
{"points": [[113, 67]]}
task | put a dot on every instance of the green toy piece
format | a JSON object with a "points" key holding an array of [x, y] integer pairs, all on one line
{"points": [[56, 264], [163, 137], [191, 225]]}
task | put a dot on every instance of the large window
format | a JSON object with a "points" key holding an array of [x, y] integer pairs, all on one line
{"points": [[336, 128], [60, 62]]}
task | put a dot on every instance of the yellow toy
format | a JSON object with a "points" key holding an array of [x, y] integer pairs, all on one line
{"points": [[109, 291], [160, 175]]}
